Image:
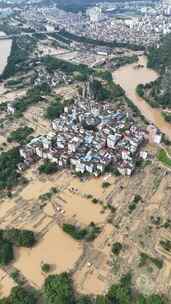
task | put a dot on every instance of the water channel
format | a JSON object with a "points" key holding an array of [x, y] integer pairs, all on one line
{"points": [[129, 77]]}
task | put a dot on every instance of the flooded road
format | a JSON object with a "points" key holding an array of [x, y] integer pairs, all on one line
{"points": [[5, 48], [128, 77]]}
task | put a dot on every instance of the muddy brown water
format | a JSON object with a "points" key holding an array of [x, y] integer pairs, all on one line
{"points": [[128, 77], [5, 49]]}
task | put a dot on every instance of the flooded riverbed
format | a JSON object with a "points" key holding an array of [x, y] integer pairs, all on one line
{"points": [[5, 48], [128, 77]]}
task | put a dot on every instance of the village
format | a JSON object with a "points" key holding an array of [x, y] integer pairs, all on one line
{"points": [[106, 175], [89, 137]]}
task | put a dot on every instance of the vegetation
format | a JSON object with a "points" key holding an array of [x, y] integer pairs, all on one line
{"points": [[166, 244], [167, 116], [104, 74], [144, 259], [166, 140], [58, 289], [54, 110], [45, 268], [134, 203], [110, 91], [48, 168], [52, 64], [89, 233], [10, 237], [86, 40], [160, 58], [159, 91], [162, 157], [117, 62], [9, 177], [20, 135], [48, 195], [15, 275], [18, 60], [140, 90], [6, 252], [20, 295], [106, 185], [148, 93], [13, 82], [20, 238], [116, 248], [32, 97]]}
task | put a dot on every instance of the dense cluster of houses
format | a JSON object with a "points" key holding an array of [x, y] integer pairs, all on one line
{"points": [[53, 79], [89, 137]]}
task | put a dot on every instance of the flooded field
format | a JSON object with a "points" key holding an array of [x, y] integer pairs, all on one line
{"points": [[129, 77], [93, 265], [24, 211], [56, 248], [6, 284]]}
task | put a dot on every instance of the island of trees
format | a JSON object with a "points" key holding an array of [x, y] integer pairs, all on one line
{"points": [[158, 92]]}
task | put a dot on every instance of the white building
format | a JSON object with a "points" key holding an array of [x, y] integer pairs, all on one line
{"points": [[94, 13]]}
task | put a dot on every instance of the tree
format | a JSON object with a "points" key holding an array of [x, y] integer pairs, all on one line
{"points": [[155, 299], [84, 300], [101, 300], [54, 110], [4, 301], [119, 294], [6, 252], [141, 300], [9, 176], [23, 238], [58, 289], [48, 168], [116, 248], [20, 296], [45, 268], [20, 135]]}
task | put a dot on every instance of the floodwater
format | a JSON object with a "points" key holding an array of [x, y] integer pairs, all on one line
{"points": [[56, 248], [6, 284], [128, 77], [5, 49]]}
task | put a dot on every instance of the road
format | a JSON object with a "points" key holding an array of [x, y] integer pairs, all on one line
{"points": [[2, 37]]}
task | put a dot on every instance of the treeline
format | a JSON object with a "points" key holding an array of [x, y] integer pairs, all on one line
{"points": [[20, 135], [158, 92], [109, 91], [58, 289], [52, 64], [160, 58], [55, 109], [18, 60], [88, 233], [121, 61], [20, 295], [32, 97], [80, 72], [9, 176], [91, 41], [13, 237]]}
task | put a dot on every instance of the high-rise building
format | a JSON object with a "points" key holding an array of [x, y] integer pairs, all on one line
{"points": [[166, 2], [94, 13]]}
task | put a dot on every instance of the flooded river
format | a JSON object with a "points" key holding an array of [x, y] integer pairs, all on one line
{"points": [[5, 48], [128, 77]]}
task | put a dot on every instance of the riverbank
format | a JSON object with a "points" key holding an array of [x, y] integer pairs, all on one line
{"points": [[129, 78]]}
